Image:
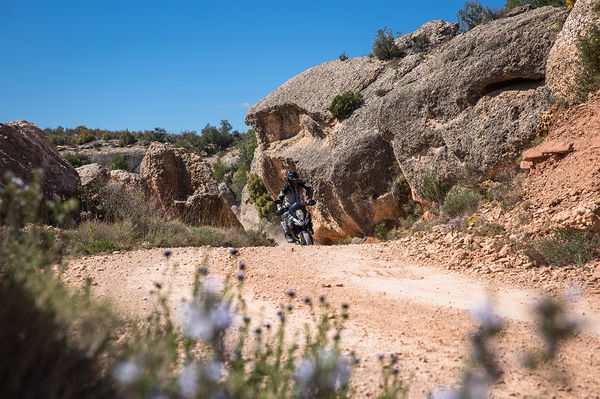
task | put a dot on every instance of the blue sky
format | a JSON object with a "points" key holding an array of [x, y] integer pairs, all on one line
{"points": [[176, 64]]}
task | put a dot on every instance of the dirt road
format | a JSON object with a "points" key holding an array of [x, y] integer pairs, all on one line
{"points": [[420, 313]]}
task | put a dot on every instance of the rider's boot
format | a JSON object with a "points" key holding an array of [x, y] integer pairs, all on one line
{"points": [[286, 232]]}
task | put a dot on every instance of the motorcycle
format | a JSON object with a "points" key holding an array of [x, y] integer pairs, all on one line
{"points": [[299, 221]]}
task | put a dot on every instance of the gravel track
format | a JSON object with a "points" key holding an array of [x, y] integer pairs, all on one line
{"points": [[396, 306]]}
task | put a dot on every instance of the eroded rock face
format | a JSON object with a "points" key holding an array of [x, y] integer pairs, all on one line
{"points": [[563, 61], [466, 107], [129, 181], [468, 110], [24, 149], [183, 184]]}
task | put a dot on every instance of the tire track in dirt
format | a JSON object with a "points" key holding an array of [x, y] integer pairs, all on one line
{"points": [[420, 313]]}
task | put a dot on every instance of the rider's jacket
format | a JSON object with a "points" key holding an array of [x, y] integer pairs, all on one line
{"points": [[292, 193]]}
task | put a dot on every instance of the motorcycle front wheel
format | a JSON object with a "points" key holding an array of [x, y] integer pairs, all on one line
{"points": [[307, 238]]}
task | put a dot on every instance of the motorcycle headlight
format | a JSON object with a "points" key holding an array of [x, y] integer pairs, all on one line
{"points": [[299, 214]]}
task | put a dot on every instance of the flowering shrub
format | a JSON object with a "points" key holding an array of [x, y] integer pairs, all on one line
{"points": [[222, 352]]}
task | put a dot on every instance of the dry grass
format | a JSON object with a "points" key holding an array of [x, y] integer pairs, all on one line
{"points": [[121, 219]]}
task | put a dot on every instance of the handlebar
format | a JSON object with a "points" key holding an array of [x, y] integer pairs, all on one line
{"points": [[294, 206]]}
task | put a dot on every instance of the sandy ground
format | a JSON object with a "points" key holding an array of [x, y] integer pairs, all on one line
{"points": [[420, 313]]}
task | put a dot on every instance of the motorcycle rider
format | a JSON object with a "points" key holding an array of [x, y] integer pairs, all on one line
{"points": [[289, 195]]}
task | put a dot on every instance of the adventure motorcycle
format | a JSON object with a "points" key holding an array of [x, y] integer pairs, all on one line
{"points": [[299, 221]]}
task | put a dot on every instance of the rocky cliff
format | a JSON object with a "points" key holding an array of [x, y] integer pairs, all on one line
{"points": [[183, 184], [465, 107], [24, 149]]}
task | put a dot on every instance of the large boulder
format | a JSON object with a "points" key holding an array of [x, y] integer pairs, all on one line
{"points": [[93, 177], [563, 62], [24, 149], [470, 108], [183, 184], [464, 107]]}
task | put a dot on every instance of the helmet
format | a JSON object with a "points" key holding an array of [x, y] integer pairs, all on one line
{"points": [[292, 177]]}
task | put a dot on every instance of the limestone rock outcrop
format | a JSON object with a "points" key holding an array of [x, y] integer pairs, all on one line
{"points": [[434, 33], [563, 62], [24, 149], [183, 184], [95, 177], [107, 152], [129, 181], [470, 108], [466, 107]]}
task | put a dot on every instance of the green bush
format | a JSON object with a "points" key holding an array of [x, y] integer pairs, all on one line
{"points": [[384, 45], [76, 160], [247, 146], [59, 140], [474, 14], [432, 188], [212, 140], [118, 163], [260, 197], [159, 135], [380, 232], [344, 104], [588, 79], [343, 57], [219, 171], [562, 248], [85, 137], [217, 139], [420, 44], [238, 182], [126, 138], [461, 202]]}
